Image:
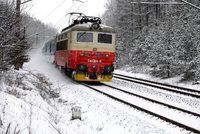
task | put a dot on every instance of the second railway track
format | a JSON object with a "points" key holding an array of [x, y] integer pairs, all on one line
{"points": [[161, 86], [167, 119]]}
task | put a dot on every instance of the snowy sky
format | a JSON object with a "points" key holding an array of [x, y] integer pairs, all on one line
{"points": [[54, 11]]}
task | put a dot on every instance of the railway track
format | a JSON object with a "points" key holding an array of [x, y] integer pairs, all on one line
{"points": [[160, 86], [165, 106]]}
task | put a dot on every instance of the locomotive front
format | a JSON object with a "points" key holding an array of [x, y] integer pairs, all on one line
{"points": [[93, 48]]}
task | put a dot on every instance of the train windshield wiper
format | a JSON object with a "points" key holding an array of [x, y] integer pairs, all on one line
{"points": [[81, 36]]}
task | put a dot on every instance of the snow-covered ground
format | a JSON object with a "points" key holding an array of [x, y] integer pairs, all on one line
{"points": [[39, 99]]}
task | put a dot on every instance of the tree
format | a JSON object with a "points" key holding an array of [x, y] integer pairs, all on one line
{"points": [[163, 37], [7, 33], [13, 45]]}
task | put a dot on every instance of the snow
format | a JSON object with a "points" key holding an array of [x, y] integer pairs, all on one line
{"points": [[170, 113], [175, 80], [169, 98], [27, 103]]}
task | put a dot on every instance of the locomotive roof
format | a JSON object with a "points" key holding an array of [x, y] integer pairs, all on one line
{"points": [[87, 26]]}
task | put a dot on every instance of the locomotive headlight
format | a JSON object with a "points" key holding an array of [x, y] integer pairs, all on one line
{"points": [[82, 68], [108, 68], [95, 26]]}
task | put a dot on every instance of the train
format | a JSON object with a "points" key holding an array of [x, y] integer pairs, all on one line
{"points": [[85, 49]]}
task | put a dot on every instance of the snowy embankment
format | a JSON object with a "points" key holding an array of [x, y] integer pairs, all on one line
{"points": [[27, 102], [39, 99]]}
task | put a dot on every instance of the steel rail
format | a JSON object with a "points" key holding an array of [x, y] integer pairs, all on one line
{"points": [[146, 111], [184, 91], [155, 101]]}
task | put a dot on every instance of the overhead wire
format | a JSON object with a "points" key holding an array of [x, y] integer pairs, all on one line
{"points": [[63, 17], [58, 5], [69, 12], [60, 19], [48, 16], [82, 5], [43, 19], [75, 10], [54, 9], [66, 15]]}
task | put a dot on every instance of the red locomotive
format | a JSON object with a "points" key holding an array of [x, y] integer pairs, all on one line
{"points": [[85, 49]]}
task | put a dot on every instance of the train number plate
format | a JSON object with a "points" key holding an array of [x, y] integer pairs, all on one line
{"points": [[94, 61]]}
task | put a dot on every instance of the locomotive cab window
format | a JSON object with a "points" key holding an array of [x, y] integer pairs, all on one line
{"points": [[104, 38], [84, 37]]}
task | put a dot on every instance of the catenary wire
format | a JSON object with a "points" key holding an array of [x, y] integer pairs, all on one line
{"points": [[58, 21], [58, 5]]}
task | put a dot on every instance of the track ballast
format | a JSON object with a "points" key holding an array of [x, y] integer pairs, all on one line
{"points": [[174, 122]]}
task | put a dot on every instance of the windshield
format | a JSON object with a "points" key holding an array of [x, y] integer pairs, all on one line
{"points": [[105, 38], [84, 37]]}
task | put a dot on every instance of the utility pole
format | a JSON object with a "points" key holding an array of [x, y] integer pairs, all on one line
{"points": [[18, 18], [20, 59], [2, 57], [36, 40], [169, 44], [132, 21]]}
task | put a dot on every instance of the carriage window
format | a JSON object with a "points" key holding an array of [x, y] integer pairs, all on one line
{"points": [[105, 38], [84, 37], [62, 45]]}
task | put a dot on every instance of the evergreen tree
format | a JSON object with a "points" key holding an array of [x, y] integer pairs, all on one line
{"points": [[164, 37]]}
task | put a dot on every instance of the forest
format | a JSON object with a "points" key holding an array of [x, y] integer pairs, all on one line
{"points": [[16, 43], [161, 37]]}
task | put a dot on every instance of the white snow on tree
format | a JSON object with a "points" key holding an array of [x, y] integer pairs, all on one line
{"points": [[162, 36]]}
